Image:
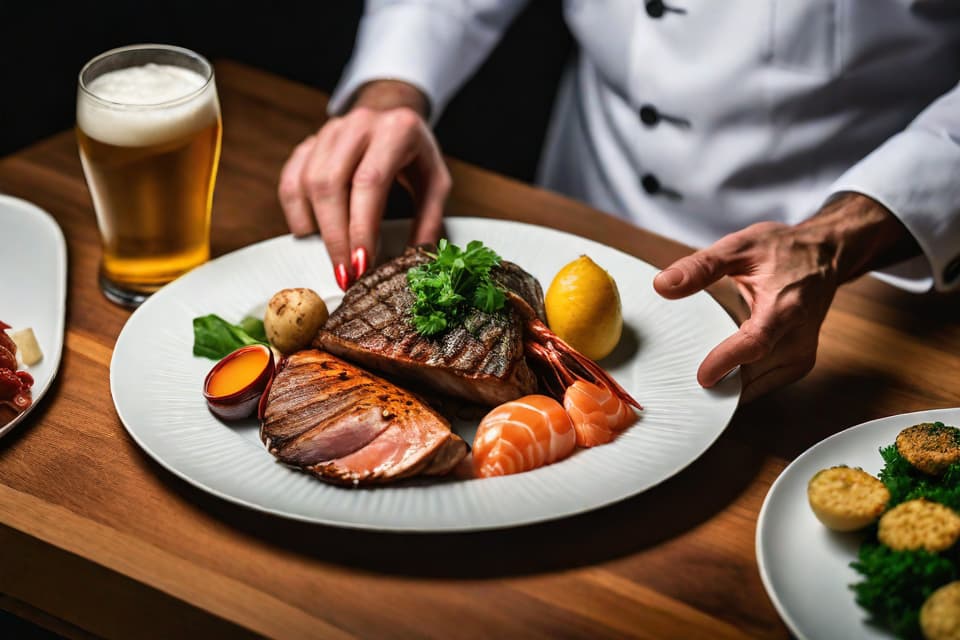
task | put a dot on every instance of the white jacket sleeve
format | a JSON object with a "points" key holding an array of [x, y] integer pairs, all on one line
{"points": [[434, 45], [916, 174]]}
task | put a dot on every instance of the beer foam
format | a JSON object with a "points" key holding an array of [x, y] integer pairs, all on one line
{"points": [[146, 105]]}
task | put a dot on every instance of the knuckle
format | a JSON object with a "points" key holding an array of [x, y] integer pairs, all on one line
{"points": [[794, 306], [763, 228], [761, 339], [320, 186], [704, 263], [289, 188], [361, 114], [369, 177], [441, 185], [402, 119], [330, 127], [405, 117], [444, 181], [306, 143], [794, 310]]}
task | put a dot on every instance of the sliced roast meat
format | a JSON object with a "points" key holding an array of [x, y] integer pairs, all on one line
{"points": [[348, 426]]}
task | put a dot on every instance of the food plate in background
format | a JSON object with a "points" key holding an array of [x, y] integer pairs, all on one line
{"points": [[33, 287], [156, 384], [805, 567]]}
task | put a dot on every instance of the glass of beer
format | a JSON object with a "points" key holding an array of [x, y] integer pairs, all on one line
{"points": [[148, 128]]}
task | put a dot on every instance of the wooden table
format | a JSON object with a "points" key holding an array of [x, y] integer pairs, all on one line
{"points": [[97, 539]]}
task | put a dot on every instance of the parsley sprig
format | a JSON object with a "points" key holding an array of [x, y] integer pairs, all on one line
{"points": [[895, 584], [455, 279]]}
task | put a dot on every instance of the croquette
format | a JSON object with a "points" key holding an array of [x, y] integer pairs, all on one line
{"points": [[931, 447], [846, 499], [940, 614], [919, 524]]}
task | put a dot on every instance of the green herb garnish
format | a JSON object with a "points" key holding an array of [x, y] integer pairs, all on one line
{"points": [[214, 337], [905, 482], [253, 327], [455, 279], [897, 583]]}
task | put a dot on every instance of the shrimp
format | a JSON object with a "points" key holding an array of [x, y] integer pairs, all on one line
{"points": [[521, 435], [598, 414]]}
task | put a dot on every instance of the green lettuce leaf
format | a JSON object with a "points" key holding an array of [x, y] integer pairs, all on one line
{"points": [[214, 337]]}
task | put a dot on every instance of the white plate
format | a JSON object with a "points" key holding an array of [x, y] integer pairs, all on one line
{"points": [[156, 384], [804, 566], [33, 286]]}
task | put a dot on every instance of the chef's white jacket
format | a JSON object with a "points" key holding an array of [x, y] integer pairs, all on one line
{"points": [[696, 118]]}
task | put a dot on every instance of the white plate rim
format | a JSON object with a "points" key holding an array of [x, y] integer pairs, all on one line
{"points": [[731, 385], [55, 234], [913, 417]]}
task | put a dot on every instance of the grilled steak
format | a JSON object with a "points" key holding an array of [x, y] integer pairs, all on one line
{"points": [[481, 359], [347, 426]]}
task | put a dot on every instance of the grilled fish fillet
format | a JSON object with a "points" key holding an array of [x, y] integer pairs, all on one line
{"points": [[348, 426], [481, 360]]}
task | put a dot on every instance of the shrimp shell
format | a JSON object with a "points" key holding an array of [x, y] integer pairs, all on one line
{"points": [[597, 414]]}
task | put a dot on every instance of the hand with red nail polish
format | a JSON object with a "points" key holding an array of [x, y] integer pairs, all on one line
{"points": [[359, 262], [788, 276], [338, 179], [342, 276]]}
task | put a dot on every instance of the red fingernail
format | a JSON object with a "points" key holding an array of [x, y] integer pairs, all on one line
{"points": [[343, 278], [359, 261]]}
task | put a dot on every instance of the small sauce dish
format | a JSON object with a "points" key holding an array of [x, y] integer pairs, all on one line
{"points": [[234, 385]]}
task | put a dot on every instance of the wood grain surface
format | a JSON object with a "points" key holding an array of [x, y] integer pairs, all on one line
{"points": [[95, 534]]}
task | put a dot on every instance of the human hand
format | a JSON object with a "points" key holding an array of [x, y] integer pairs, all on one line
{"points": [[338, 179], [788, 276]]}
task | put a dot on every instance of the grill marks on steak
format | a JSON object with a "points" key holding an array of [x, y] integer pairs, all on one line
{"points": [[348, 426], [482, 359]]}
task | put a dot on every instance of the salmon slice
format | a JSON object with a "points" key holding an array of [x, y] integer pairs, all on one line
{"points": [[521, 435], [596, 413], [347, 426]]}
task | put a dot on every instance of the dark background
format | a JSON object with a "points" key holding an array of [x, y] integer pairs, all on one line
{"points": [[497, 120]]}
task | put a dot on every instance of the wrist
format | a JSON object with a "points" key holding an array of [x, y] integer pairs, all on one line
{"points": [[381, 95], [860, 234]]}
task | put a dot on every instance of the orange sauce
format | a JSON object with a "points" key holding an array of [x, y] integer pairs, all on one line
{"points": [[238, 372]]}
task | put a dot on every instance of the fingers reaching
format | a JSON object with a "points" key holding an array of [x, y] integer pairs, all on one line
{"points": [[296, 207], [751, 343], [691, 273], [436, 184], [389, 153], [338, 181], [787, 279], [756, 384]]}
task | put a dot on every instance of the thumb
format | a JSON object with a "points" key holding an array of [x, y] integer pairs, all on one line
{"points": [[691, 274]]}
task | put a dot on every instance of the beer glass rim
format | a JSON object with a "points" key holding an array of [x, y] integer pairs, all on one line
{"points": [[208, 76]]}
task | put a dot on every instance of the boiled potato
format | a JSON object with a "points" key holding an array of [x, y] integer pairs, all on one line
{"points": [[919, 524], [940, 615], [293, 318], [846, 499]]}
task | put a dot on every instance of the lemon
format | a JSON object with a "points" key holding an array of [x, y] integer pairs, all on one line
{"points": [[583, 308]]}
